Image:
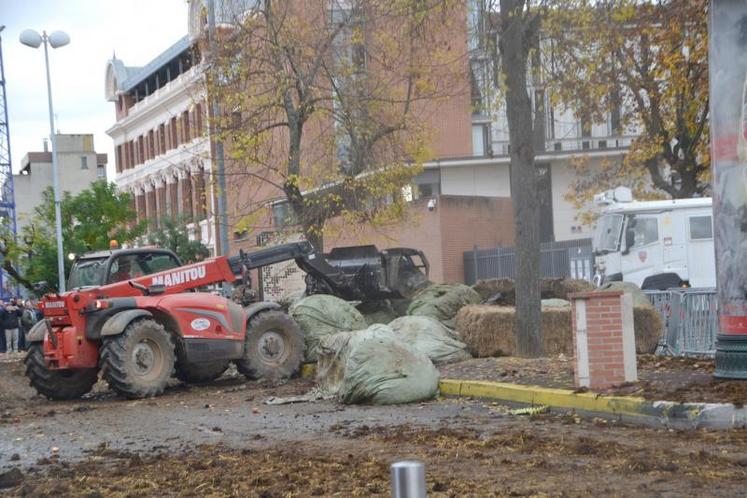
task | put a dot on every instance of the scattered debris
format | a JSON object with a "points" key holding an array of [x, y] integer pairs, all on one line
{"points": [[530, 410], [11, 478]]}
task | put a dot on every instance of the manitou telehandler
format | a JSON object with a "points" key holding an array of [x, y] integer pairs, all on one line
{"points": [[133, 315]]}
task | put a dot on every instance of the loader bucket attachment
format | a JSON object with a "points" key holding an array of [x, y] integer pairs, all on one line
{"points": [[364, 273]]}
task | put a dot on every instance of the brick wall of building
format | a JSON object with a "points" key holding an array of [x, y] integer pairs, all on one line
{"points": [[456, 225], [470, 221]]}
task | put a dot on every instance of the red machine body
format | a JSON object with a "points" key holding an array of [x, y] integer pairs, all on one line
{"points": [[68, 346], [137, 316]]}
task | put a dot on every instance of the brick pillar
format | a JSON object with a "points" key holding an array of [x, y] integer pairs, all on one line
{"points": [[185, 187], [603, 339]]}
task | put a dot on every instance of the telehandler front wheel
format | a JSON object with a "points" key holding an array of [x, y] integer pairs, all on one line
{"points": [[274, 347], [139, 362], [57, 384]]}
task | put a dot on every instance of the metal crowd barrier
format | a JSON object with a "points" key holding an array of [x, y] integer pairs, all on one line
{"points": [[690, 321]]}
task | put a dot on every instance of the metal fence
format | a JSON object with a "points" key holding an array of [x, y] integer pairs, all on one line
{"points": [[570, 258], [690, 321]]}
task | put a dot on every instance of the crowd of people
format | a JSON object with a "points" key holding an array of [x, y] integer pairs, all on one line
{"points": [[16, 319]]}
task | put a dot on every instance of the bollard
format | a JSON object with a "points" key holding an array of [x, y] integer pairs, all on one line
{"points": [[408, 479]]}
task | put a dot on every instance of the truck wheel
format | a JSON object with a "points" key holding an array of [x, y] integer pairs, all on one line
{"points": [[57, 384], [662, 281], [138, 363], [273, 348], [199, 373]]}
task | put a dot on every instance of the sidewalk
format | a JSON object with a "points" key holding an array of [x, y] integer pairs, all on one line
{"points": [[675, 392]]}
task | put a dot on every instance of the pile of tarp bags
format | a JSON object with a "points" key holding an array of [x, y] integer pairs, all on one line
{"points": [[383, 363]]}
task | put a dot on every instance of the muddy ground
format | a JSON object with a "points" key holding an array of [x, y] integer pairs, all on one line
{"points": [[660, 378], [222, 440]]}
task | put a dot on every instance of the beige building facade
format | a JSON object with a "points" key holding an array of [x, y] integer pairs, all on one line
{"points": [[78, 163]]}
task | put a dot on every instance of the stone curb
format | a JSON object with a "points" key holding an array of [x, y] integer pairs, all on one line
{"points": [[630, 408]]}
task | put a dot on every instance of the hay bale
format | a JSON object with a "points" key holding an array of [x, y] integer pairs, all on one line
{"points": [[555, 303], [550, 288], [490, 287], [649, 328], [559, 288], [490, 330]]}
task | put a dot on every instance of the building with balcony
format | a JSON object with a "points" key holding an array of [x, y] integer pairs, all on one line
{"points": [[162, 147], [78, 165]]}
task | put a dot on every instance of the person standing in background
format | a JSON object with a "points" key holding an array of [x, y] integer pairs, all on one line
{"points": [[10, 323], [3, 347]]}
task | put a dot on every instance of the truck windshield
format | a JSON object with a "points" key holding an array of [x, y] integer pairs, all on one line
{"points": [[86, 273], [607, 234]]}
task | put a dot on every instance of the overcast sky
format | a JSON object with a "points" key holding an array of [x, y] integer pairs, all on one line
{"points": [[137, 30]]}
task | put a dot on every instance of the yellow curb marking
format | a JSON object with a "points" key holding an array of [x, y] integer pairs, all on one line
{"points": [[536, 395]]}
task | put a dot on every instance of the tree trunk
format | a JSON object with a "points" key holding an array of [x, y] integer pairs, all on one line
{"points": [[515, 36]]}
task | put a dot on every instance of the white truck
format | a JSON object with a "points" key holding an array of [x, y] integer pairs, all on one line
{"points": [[654, 244]]}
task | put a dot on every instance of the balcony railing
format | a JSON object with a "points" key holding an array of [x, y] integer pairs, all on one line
{"points": [[569, 145]]}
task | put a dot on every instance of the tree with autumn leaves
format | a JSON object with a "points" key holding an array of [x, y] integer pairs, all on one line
{"points": [[323, 106], [646, 65]]}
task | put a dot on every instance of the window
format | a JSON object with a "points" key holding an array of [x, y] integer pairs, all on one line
{"points": [[282, 215], [607, 233], [644, 230], [138, 265], [481, 140], [701, 228], [100, 172], [83, 162]]}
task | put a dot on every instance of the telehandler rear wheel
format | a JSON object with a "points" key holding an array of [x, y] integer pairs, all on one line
{"points": [[57, 384], [199, 373], [139, 362], [274, 347]]}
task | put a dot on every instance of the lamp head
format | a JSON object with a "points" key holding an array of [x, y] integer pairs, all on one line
{"points": [[30, 38], [58, 39]]}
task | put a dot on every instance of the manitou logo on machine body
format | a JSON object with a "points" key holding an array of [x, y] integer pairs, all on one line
{"points": [[181, 276]]}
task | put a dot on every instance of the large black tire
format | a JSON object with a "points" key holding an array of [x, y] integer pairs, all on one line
{"points": [[57, 384], [663, 281], [139, 362], [274, 347], [199, 373]]}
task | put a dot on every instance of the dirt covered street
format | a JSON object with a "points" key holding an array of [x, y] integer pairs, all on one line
{"points": [[223, 440]]}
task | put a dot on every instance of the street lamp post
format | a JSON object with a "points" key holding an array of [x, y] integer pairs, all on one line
{"points": [[56, 39]]}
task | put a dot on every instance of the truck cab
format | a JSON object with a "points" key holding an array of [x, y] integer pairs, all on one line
{"points": [[654, 244]]}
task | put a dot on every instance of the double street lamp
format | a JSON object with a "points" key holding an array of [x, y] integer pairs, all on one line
{"points": [[56, 39]]}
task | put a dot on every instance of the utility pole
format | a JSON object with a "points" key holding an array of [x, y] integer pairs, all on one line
{"points": [[728, 83], [220, 167]]}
